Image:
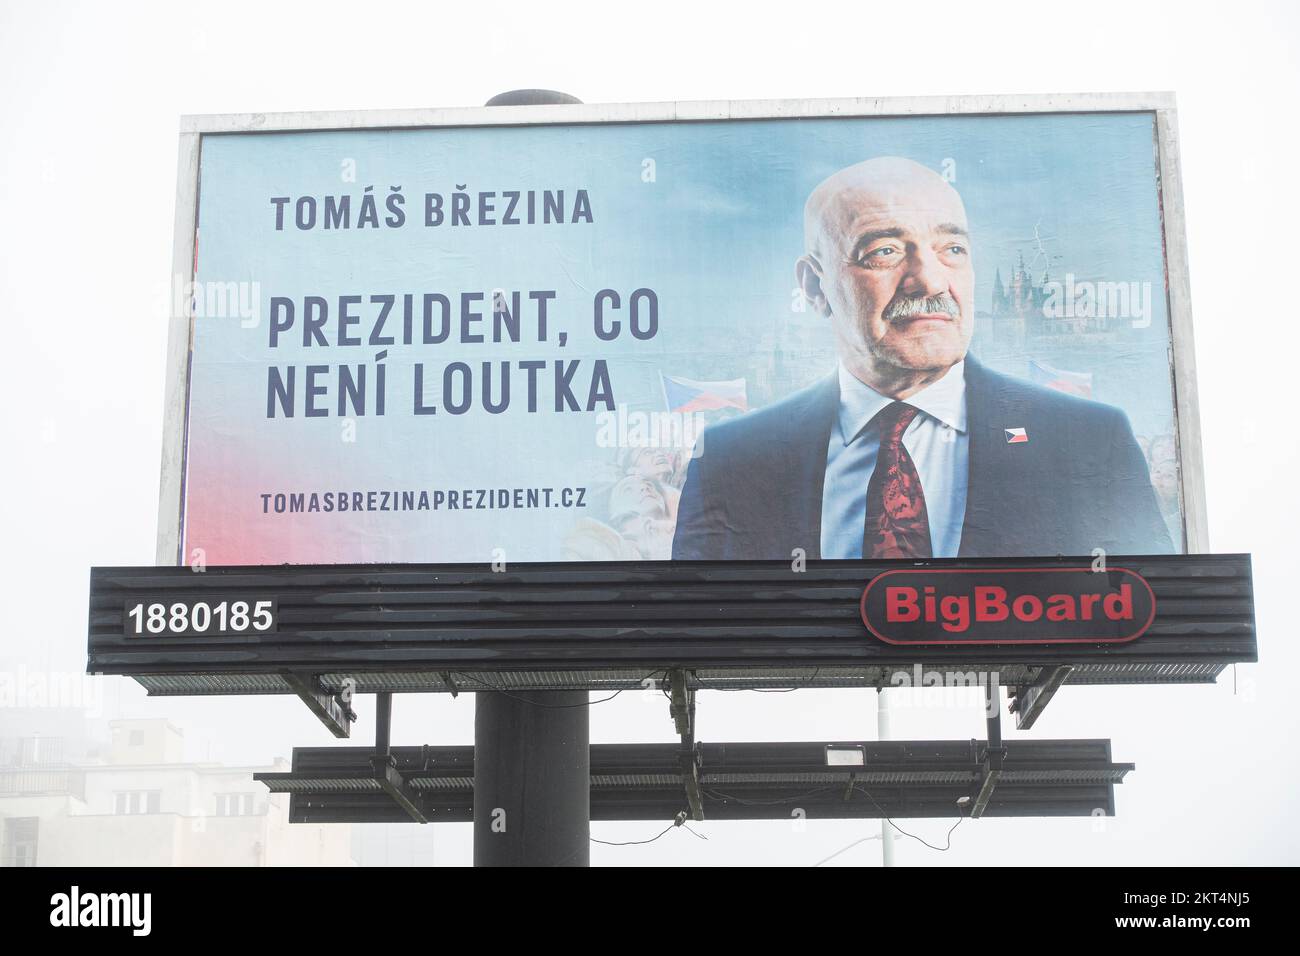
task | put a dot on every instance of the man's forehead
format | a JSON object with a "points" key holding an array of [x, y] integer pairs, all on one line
{"points": [[923, 209], [882, 193]]}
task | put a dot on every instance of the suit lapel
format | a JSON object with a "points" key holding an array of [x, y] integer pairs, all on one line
{"points": [[803, 460], [992, 500]]}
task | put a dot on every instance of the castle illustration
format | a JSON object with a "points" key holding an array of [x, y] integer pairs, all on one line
{"points": [[1021, 296]]}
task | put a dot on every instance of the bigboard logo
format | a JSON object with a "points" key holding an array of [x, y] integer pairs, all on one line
{"points": [[918, 606]]}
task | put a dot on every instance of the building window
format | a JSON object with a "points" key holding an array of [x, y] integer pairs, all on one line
{"points": [[20, 841], [136, 801], [136, 738], [234, 804]]}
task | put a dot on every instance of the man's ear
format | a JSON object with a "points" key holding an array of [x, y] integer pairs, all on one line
{"points": [[808, 273]]}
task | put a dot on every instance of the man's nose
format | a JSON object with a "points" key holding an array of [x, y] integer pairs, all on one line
{"points": [[926, 275]]}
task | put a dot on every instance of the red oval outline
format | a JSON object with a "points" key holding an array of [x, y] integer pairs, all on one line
{"points": [[862, 607]]}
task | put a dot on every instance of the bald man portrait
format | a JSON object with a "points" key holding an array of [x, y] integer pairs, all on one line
{"points": [[911, 448]]}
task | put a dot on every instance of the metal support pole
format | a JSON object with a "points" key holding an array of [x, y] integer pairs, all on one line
{"points": [[383, 723], [384, 764], [994, 749], [532, 779], [882, 733], [682, 709], [532, 759]]}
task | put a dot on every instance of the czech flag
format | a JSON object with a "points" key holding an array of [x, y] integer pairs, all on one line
{"points": [[1072, 383], [687, 395]]}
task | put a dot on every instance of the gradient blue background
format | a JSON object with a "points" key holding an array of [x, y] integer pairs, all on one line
{"points": [[716, 235]]}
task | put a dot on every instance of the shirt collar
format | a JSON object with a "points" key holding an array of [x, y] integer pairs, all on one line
{"points": [[944, 401]]}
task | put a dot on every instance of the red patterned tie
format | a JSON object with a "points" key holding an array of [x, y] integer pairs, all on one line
{"points": [[898, 525]]}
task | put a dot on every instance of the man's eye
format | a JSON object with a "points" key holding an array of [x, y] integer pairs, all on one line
{"points": [[959, 250], [879, 255]]}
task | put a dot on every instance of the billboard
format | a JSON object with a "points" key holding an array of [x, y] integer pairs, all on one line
{"points": [[835, 329]]}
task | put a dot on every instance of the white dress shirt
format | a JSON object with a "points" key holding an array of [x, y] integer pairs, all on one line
{"points": [[937, 441]]}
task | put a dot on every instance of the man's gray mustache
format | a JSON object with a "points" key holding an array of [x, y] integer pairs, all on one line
{"points": [[906, 308]]}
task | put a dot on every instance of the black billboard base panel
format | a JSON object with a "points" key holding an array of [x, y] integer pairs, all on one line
{"points": [[327, 632], [738, 781], [332, 630]]}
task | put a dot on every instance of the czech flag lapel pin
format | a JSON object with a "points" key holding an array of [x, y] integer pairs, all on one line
{"points": [[1016, 436]]}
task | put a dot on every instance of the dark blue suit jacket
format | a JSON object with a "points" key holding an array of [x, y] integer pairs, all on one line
{"points": [[1080, 481]]}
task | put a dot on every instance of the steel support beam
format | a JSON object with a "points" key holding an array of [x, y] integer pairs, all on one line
{"points": [[332, 711], [1032, 700], [993, 751], [738, 781]]}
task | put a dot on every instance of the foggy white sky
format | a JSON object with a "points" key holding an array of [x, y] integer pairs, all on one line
{"points": [[90, 95]]}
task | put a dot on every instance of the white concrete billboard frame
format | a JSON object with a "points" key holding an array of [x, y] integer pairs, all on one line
{"points": [[1173, 226]]}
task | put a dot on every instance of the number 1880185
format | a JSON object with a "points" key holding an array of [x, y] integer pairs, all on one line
{"points": [[194, 617]]}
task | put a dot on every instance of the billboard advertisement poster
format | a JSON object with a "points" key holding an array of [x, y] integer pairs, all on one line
{"points": [[836, 336]]}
